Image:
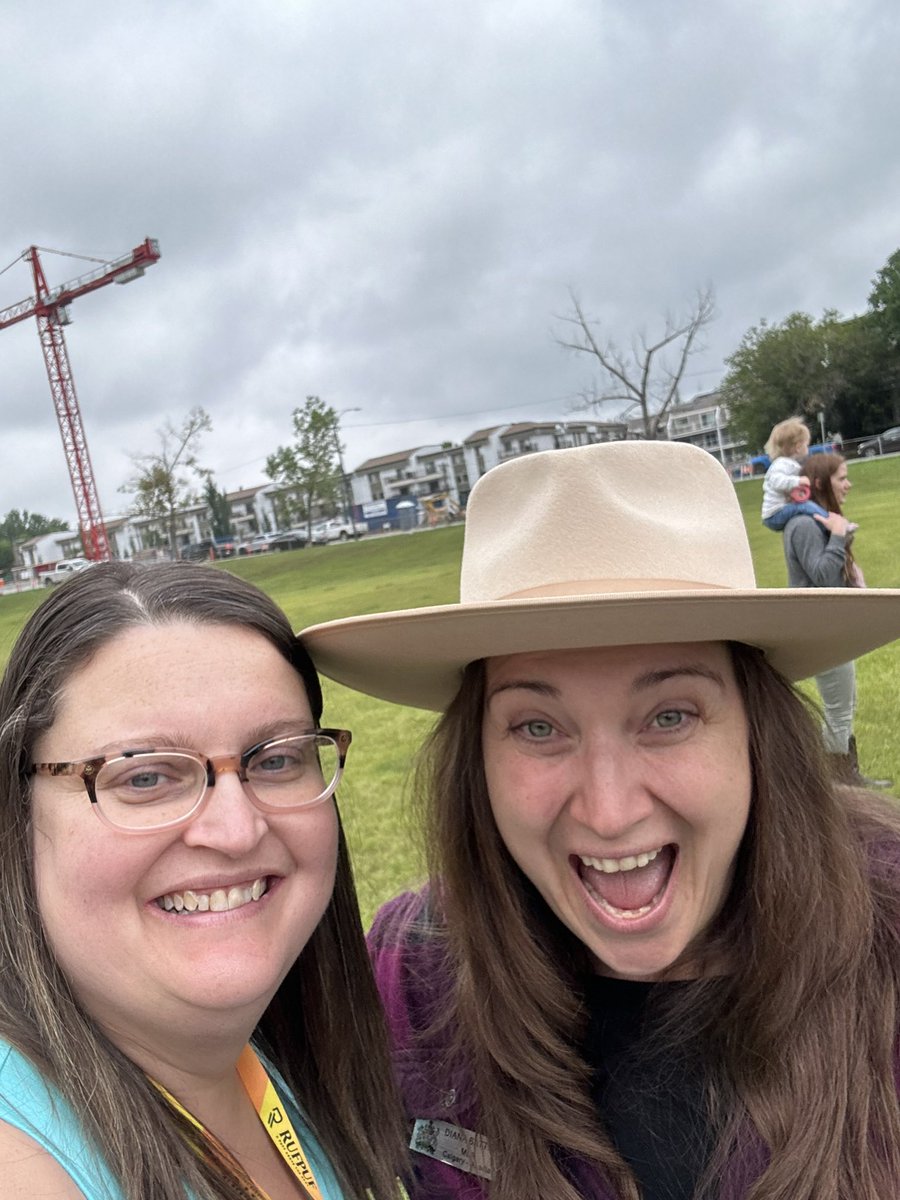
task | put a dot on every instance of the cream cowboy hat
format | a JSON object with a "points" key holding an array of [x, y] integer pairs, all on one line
{"points": [[617, 544]]}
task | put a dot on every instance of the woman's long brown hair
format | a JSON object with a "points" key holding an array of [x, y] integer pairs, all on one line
{"points": [[324, 1028], [819, 469], [798, 1040]]}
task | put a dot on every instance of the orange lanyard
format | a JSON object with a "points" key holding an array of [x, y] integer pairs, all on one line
{"points": [[275, 1120]]}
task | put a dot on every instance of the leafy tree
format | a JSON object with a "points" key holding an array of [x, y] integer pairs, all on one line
{"points": [[804, 367], [868, 393], [884, 299], [308, 470], [19, 526], [647, 376], [778, 371], [884, 302], [161, 484], [219, 508]]}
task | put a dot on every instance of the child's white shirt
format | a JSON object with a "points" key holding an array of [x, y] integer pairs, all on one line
{"points": [[780, 478]]}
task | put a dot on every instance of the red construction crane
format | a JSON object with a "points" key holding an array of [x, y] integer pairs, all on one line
{"points": [[51, 308]]}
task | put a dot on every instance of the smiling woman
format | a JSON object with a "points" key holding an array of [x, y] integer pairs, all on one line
{"points": [[659, 954], [181, 952]]}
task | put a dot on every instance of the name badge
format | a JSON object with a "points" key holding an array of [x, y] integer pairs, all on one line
{"points": [[461, 1148]]}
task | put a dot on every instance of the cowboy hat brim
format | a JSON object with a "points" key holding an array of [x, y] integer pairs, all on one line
{"points": [[416, 656]]}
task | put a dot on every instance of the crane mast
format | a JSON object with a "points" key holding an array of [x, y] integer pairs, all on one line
{"points": [[51, 309]]}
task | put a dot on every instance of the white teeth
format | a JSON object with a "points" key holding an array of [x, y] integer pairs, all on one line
{"points": [[609, 866], [218, 900]]}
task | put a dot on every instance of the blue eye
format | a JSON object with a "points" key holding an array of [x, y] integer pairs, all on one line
{"points": [[540, 730], [670, 719], [272, 762], [146, 779]]}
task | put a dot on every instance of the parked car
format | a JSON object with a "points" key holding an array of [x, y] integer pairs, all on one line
{"points": [[217, 547], [289, 539], [760, 463], [64, 570], [260, 543], [336, 530], [284, 539], [882, 443]]}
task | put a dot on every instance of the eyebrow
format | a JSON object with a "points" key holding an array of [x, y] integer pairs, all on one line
{"points": [[695, 670], [648, 679], [173, 740]]}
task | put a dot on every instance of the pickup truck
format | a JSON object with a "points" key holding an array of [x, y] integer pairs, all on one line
{"points": [[336, 530], [63, 570]]}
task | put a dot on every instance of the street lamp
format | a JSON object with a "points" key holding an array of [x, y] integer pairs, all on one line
{"points": [[719, 433], [348, 495]]}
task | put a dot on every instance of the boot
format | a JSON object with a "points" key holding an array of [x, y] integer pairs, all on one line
{"points": [[843, 770], [846, 769]]}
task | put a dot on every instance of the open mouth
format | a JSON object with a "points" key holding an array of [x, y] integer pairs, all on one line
{"points": [[631, 887], [218, 900]]}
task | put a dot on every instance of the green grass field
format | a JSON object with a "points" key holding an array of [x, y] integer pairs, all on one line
{"points": [[408, 570]]}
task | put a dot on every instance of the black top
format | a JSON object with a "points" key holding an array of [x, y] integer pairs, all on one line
{"points": [[651, 1104]]}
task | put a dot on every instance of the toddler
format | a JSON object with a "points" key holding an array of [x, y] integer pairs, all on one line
{"points": [[785, 490]]}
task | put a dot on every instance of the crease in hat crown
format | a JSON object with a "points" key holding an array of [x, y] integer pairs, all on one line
{"points": [[623, 517]]}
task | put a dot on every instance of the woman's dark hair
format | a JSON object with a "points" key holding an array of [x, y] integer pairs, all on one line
{"points": [[800, 1034], [323, 1029]]}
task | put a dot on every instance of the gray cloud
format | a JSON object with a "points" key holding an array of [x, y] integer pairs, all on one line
{"points": [[387, 204]]}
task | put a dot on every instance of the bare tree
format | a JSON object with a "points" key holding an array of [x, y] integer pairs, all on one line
{"points": [[159, 486], [649, 374]]}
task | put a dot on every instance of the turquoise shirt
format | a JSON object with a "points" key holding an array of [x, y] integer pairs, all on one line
{"points": [[30, 1104]]}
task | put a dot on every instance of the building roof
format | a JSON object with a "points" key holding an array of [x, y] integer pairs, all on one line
{"points": [[59, 535], [244, 493], [481, 435], [698, 403], [385, 460]]}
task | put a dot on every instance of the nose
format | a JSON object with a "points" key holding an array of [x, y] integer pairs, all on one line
{"points": [[228, 821], [611, 795]]}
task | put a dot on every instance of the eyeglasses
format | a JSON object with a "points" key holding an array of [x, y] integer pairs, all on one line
{"points": [[141, 791]]}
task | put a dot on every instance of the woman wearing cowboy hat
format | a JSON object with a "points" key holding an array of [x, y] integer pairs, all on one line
{"points": [[659, 955]]}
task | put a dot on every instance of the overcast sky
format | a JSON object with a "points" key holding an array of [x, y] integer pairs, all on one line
{"points": [[386, 204]]}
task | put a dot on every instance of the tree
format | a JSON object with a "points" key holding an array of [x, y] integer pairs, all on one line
{"points": [[19, 526], [884, 299], [161, 485], [308, 469], [868, 367], [778, 371], [884, 303], [649, 374], [219, 508], [804, 367]]}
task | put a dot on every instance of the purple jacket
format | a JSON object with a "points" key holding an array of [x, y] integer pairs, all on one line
{"points": [[411, 973]]}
